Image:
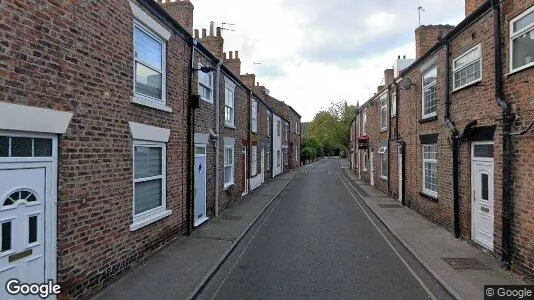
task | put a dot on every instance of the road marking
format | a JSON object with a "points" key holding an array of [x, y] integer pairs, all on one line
{"points": [[244, 250], [423, 285]]}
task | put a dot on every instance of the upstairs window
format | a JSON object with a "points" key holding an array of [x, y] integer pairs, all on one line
{"points": [[364, 121], [429, 93], [205, 85], [229, 101], [467, 68], [384, 112], [149, 54], [522, 41], [268, 123], [254, 116], [278, 128], [394, 101]]}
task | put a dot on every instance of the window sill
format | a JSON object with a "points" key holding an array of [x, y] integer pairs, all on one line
{"points": [[520, 69], [385, 178], [467, 85], [206, 100], [229, 126], [428, 119], [152, 104], [150, 219], [383, 130], [228, 185], [429, 197]]}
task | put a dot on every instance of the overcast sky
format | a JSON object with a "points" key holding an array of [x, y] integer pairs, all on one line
{"points": [[315, 51]]}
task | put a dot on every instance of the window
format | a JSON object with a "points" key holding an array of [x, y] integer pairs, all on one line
{"points": [[229, 105], [430, 170], [429, 93], [394, 101], [14, 146], [467, 68], [278, 128], [149, 179], [278, 161], [383, 151], [365, 161], [205, 85], [254, 161], [254, 116], [522, 41], [384, 112], [268, 124], [149, 54], [364, 120], [267, 159], [228, 166]]}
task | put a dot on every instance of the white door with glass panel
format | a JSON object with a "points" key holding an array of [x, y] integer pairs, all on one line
{"points": [[25, 197], [200, 185], [482, 194]]}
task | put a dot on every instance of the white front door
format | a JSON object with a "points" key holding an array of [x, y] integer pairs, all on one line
{"points": [[200, 185], [263, 165], [22, 225], [372, 162], [399, 171], [482, 194], [359, 165]]}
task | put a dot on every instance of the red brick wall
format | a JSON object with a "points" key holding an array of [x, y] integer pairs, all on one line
{"points": [[426, 36], [59, 56]]}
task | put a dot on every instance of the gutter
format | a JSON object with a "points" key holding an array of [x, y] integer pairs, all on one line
{"points": [[217, 132], [508, 118]]}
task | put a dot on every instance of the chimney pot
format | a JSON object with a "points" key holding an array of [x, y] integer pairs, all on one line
{"points": [[231, 55], [204, 31], [236, 54], [219, 31], [212, 24], [196, 33]]}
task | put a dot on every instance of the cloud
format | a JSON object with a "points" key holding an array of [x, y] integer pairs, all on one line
{"points": [[314, 51]]}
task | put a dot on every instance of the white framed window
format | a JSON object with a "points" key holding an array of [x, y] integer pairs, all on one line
{"points": [[254, 161], [467, 68], [383, 151], [149, 184], [522, 40], [394, 101], [365, 161], [364, 120], [229, 102], [278, 129], [268, 123], [149, 65], [205, 85], [228, 165], [429, 93], [254, 116], [384, 112], [278, 158], [430, 170]]}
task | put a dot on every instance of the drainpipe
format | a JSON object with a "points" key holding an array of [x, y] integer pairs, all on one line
{"points": [[455, 144], [190, 129], [218, 137], [389, 139], [507, 118]]}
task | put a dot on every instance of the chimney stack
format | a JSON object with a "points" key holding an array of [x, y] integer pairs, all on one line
{"points": [[249, 80], [233, 63], [472, 5], [388, 76], [426, 36], [181, 11], [214, 42]]}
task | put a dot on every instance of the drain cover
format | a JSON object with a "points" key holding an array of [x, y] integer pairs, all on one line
{"points": [[231, 218], [466, 263], [390, 205]]}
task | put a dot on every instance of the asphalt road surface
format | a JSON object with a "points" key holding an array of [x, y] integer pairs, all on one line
{"points": [[318, 241]]}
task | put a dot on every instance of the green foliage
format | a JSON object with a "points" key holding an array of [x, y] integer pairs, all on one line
{"points": [[330, 129]]}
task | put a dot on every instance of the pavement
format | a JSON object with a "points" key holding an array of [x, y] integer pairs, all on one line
{"points": [[181, 268], [433, 245]]}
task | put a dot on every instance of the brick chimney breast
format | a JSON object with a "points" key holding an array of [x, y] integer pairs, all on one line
{"points": [[181, 11], [248, 80], [426, 36], [472, 5], [388, 76], [232, 62], [214, 42]]}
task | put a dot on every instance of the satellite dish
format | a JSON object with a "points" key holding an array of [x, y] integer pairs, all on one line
{"points": [[406, 83]]}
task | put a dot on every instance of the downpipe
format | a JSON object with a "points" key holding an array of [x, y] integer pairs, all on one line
{"points": [[218, 138]]}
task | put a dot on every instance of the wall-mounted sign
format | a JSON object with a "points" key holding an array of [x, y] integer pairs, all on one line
{"points": [[363, 142]]}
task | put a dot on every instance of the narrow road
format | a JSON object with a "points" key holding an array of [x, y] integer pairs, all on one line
{"points": [[316, 241]]}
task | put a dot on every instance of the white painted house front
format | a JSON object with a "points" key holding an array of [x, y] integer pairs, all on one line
{"points": [[277, 155]]}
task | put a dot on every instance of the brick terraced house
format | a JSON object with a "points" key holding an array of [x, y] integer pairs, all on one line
{"points": [[120, 130], [449, 134]]}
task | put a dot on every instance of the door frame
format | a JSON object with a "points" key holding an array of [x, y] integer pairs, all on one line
{"points": [[245, 176], [205, 155], [50, 206], [371, 167], [484, 160], [400, 175]]}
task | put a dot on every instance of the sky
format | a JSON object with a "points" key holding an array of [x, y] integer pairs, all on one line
{"points": [[311, 52]]}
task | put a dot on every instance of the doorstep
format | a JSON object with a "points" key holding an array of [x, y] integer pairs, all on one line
{"points": [[460, 267], [184, 266]]}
